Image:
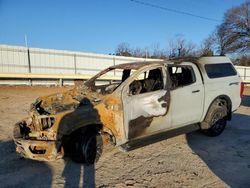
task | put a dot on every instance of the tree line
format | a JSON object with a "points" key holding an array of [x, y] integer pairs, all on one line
{"points": [[231, 37]]}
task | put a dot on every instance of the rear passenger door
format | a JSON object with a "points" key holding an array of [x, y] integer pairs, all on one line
{"points": [[187, 94]]}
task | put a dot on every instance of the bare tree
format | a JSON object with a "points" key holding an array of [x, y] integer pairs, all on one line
{"points": [[137, 52], [243, 60], [180, 47], [140, 52], [232, 35], [218, 42], [234, 32], [123, 49], [208, 46], [157, 52], [222, 39]]}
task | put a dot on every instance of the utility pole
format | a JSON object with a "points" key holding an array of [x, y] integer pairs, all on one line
{"points": [[28, 52]]}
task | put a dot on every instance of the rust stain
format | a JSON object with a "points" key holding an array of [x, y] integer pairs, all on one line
{"points": [[138, 125], [51, 117], [111, 114]]}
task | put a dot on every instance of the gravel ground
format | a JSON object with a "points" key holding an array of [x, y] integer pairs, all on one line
{"points": [[191, 160]]}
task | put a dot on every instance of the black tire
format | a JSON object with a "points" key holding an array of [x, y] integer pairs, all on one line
{"points": [[87, 147], [216, 119]]}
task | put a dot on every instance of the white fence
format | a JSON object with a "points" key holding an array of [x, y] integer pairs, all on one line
{"points": [[15, 59], [244, 73], [20, 60]]}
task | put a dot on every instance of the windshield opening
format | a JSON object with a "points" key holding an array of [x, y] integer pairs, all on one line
{"points": [[108, 80]]}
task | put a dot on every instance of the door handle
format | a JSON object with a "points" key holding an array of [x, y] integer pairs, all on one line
{"points": [[196, 91], [234, 83]]}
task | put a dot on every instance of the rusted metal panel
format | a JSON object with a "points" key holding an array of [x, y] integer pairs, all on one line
{"points": [[51, 117], [60, 114]]}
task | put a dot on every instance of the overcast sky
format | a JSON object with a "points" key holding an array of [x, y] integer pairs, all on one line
{"points": [[100, 25]]}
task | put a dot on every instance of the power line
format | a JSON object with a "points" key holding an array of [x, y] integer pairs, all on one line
{"points": [[173, 10]]}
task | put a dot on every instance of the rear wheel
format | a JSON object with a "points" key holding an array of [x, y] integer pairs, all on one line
{"points": [[216, 119]]}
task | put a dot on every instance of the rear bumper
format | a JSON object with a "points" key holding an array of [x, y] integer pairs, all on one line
{"points": [[37, 150]]}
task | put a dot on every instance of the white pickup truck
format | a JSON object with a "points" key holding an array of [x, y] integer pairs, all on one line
{"points": [[144, 103]]}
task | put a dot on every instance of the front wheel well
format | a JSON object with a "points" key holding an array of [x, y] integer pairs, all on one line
{"points": [[67, 139], [83, 145], [105, 133]]}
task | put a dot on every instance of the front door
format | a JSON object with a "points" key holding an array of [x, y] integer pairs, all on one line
{"points": [[146, 103]]}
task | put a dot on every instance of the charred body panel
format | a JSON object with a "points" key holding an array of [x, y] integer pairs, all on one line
{"points": [[40, 136], [52, 117]]}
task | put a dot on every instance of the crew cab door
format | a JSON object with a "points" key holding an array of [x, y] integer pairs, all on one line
{"points": [[145, 102], [187, 94]]}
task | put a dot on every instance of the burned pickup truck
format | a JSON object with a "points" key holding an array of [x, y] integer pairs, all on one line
{"points": [[144, 103]]}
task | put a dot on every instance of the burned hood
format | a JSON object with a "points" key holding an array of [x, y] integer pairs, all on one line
{"points": [[69, 100]]}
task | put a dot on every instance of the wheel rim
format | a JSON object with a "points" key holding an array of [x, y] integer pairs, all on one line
{"points": [[89, 149], [99, 147], [218, 122]]}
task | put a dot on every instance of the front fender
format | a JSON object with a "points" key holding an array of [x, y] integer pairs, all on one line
{"points": [[76, 119]]}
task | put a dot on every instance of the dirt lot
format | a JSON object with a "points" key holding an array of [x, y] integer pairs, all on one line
{"points": [[191, 160]]}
